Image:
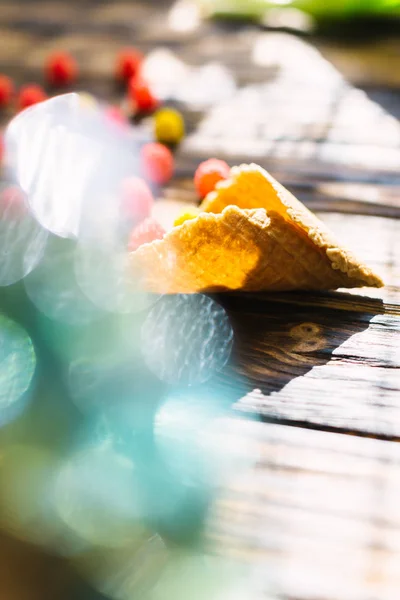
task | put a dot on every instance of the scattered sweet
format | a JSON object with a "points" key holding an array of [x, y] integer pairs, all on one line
{"points": [[29, 95], [61, 69], [208, 174], [88, 100], [169, 126], [145, 233], [186, 216], [157, 163], [6, 90], [141, 96], [128, 64], [115, 115], [136, 199], [12, 203]]}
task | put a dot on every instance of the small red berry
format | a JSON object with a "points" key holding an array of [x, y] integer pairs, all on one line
{"points": [[145, 233], [141, 97], [6, 90], [61, 69], [128, 64], [136, 198], [157, 163], [208, 174], [30, 95]]}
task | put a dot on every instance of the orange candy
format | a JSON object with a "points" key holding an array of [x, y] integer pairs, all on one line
{"points": [[208, 174], [157, 163]]}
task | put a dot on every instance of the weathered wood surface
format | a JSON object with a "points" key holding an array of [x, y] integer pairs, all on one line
{"points": [[330, 360], [323, 521], [319, 515]]}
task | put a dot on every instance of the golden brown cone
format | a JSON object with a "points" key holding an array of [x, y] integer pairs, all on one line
{"points": [[253, 236]]}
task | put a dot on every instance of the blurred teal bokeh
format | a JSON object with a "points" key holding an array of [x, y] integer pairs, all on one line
{"points": [[17, 368], [125, 444]]}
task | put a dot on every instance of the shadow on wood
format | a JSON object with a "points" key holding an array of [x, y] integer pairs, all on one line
{"points": [[281, 337]]}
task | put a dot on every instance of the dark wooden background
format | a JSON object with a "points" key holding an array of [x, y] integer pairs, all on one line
{"points": [[319, 516]]}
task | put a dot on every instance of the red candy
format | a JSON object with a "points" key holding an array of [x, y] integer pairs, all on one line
{"points": [[12, 202], [61, 69], [141, 96], [136, 198], [6, 90], [115, 116], [128, 64], [157, 163], [208, 174], [145, 233], [30, 95]]}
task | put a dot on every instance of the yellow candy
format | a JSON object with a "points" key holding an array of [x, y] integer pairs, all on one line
{"points": [[169, 126], [87, 100], [186, 216]]}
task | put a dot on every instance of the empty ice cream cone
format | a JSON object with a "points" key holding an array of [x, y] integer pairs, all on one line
{"points": [[253, 235]]}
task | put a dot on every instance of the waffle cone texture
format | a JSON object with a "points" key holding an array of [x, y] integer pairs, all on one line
{"points": [[252, 235]]}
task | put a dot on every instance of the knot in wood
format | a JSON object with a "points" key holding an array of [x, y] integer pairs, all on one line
{"points": [[305, 331]]}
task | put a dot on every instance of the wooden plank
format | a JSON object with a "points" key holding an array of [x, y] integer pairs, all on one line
{"points": [[316, 516]]}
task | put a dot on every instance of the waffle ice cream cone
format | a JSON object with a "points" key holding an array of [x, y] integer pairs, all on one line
{"points": [[252, 235]]}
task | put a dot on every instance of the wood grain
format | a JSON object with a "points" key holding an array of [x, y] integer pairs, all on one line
{"points": [[321, 505]]}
